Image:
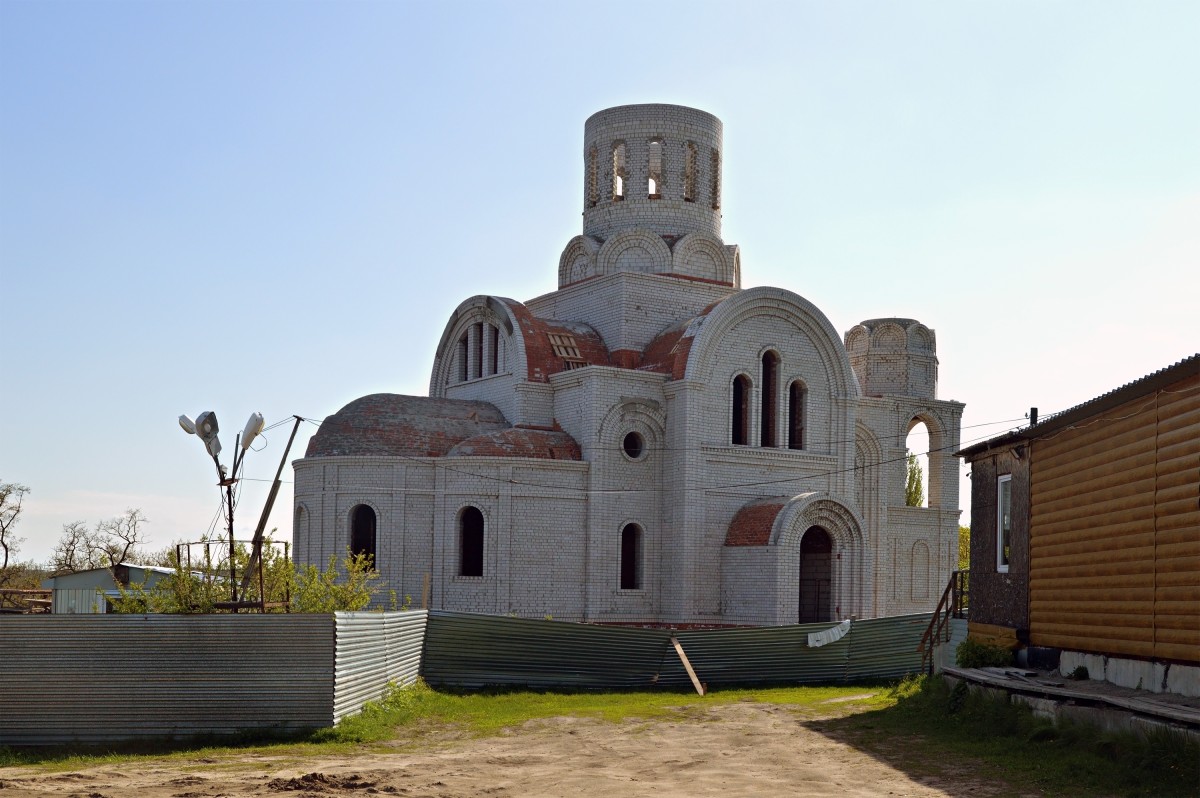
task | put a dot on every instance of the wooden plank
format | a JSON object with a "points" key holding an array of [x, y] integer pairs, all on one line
{"points": [[1124, 505], [700, 688], [1123, 480]]}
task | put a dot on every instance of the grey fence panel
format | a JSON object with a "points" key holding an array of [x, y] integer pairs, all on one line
{"points": [[469, 650], [759, 655], [373, 650], [886, 648], [105, 678]]}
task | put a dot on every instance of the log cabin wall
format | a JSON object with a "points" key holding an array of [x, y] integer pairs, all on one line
{"points": [[1115, 529]]}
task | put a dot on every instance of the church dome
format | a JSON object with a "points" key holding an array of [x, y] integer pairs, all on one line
{"points": [[387, 424], [520, 442]]}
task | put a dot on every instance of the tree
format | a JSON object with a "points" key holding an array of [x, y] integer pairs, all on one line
{"points": [[964, 547], [914, 489], [112, 543], [12, 496]]}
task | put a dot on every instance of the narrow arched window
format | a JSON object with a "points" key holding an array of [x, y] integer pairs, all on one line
{"points": [[463, 357], [654, 169], [716, 180], [477, 350], [689, 172], [770, 380], [741, 410], [618, 171], [631, 557], [470, 542], [593, 177], [362, 532], [796, 401], [494, 351]]}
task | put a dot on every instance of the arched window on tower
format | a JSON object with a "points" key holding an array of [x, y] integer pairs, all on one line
{"points": [[631, 557], [618, 171], [654, 169], [716, 180], [689, 172], [770, 380], [470, 542], [797, 399], [362, 532], [741, 411], [593, 177]]}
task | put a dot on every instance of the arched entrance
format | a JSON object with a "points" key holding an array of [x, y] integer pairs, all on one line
{"points": [[816, 568]]}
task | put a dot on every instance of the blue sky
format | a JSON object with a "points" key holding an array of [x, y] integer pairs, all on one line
{"points": [[275, 206]]}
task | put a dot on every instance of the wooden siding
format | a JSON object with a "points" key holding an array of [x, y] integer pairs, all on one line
{"points": [[1115, 530]]}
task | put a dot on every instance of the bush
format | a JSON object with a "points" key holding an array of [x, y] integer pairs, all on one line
{"points": [[973, 654]]}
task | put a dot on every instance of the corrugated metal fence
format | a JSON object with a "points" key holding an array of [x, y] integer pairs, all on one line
{"points": [[374, 650], [104, 678], [466, 650], [101, 678]]}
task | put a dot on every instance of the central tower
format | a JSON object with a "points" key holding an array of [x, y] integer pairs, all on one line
{"points": [[653, 167]]}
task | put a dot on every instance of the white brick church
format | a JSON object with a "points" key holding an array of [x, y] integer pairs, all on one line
{"points": [[649, 443]]}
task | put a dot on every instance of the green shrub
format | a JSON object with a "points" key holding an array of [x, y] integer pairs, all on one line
{"points": [[973, 654]]}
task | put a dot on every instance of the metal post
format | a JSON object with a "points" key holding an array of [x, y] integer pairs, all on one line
{"points": [[256, 546]]}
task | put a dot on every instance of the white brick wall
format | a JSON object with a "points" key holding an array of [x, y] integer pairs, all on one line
{"points": [[553, 528]]}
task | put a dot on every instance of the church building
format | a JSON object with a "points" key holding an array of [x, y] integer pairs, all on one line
{"points": [[650, 443]]}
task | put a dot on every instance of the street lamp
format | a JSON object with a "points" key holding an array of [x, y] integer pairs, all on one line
{"points": [[206, 428]]}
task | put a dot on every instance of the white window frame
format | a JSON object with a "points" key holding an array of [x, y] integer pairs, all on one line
{"points": [[1001, 565]]}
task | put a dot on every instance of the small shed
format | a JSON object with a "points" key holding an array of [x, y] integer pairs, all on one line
{"points": [[89, 592]]}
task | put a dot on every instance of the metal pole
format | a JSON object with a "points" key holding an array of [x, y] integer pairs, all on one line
{"points": [[256, 546]]}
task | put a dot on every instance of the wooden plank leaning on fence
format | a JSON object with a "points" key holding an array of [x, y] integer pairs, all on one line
{"points": [[700, 688]]}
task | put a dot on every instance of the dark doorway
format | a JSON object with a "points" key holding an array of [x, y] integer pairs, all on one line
{"points": [[816, 565]]}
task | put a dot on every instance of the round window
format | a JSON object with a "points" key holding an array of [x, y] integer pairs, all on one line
{"points": [[634, 445]]}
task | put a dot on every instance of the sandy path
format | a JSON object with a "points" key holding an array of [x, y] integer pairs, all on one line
{"points": [[730, 750]]}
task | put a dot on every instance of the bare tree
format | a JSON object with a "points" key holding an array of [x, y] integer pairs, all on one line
{"points": [[121, 536], [12, 496], [110, 544]]}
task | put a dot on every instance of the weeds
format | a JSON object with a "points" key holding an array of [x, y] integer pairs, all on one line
{"points": [[1006, 741]]}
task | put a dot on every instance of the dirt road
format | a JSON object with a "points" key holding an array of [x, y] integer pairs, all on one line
{"points": [[750, 749]]}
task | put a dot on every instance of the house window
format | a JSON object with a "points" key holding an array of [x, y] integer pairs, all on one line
{"points": [[1003, 522], [741, 411], [470, 542], [770, 378], [618, 171], [631, 557], [362, 532], [796, 397]]}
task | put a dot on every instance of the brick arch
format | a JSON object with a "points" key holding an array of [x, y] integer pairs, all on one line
{"points": [[633, 415], [940, 449], [705, 257], [494, 310], [707, 348], [889, 337], [578, 260], [634, 251]]}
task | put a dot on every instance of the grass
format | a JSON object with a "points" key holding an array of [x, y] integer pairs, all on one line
{"points": [[934, 731]]}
